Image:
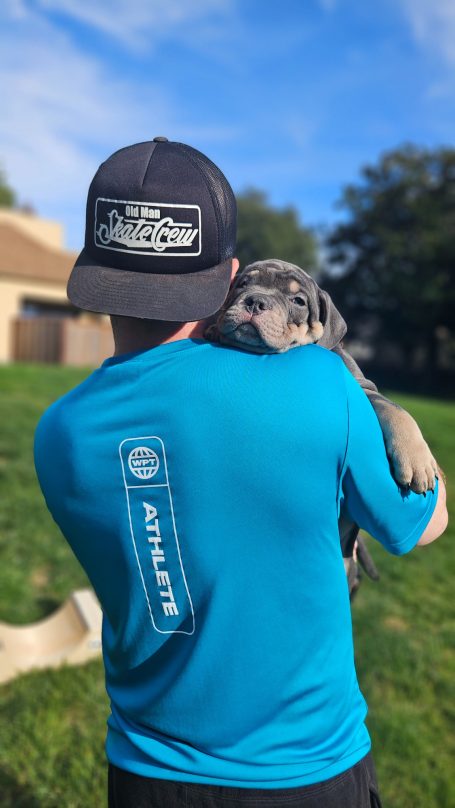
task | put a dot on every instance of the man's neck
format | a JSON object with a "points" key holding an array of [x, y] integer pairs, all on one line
{"points": [[131, 334], [135, 334]]}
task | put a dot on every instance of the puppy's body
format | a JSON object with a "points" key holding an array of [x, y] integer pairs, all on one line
{"points": [[273, 306]]}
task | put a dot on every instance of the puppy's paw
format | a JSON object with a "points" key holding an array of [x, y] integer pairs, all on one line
{"points": [[353, 575], [363, 557], [413, 464]]}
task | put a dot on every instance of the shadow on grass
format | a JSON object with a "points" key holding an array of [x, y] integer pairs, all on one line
{"points": [[15, 795], [48, 606]]}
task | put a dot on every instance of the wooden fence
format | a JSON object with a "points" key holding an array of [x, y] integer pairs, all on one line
{"points": [[61, 340]]}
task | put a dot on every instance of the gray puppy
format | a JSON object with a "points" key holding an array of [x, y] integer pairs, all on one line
{"points": [[273, 306]]}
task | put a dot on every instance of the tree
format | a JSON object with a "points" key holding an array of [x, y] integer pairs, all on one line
{"points": [[267, 232], [7, 195], [397, 250]]}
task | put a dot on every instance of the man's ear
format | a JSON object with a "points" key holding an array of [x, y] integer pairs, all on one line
{"points": [[334, 326], [235, 267]]}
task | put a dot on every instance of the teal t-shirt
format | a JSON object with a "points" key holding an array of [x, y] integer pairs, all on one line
{"points": [[199, 487]]}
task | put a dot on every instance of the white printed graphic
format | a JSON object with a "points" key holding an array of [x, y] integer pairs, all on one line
{"points": [[148, 228], [143, 462], [154, 535]]}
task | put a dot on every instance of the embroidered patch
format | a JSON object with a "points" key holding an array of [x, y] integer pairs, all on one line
{"points": [[154, 535], [148, 228]]}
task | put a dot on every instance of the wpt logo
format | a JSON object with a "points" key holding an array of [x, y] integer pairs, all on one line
{"points": [[143, 462], [154, 537]]}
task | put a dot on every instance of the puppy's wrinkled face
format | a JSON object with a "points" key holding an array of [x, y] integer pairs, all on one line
{"points": [[268, 310]]}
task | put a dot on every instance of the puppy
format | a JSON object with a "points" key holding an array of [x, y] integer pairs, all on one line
{"points": [[273, 306]]}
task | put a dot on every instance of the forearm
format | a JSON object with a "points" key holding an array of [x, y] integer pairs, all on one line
{"points": [[440, 517]]}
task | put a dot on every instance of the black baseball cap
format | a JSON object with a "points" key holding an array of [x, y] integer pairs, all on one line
{"points": [[160, 235]]}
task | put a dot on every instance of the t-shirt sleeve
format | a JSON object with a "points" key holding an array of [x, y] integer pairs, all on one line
{"points": [[368, 493]]}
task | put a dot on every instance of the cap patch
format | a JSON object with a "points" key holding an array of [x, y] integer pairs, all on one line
{"points": [[148, 228]]}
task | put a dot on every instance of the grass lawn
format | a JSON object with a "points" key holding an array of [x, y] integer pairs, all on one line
{"points": [[53, 723]]}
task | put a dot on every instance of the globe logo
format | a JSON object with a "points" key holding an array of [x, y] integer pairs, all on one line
{"points": [[143, 462]]}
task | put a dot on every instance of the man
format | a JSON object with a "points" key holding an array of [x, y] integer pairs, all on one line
{"points": [[200, 486]]}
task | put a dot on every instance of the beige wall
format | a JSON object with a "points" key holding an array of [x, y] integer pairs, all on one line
{"points": [[44, 230], [11, 292]]}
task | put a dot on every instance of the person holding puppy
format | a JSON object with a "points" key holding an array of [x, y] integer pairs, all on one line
{"points": [[199, 486]]}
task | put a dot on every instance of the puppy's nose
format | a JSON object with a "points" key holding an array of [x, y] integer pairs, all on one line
{"points": [[257, 303]]}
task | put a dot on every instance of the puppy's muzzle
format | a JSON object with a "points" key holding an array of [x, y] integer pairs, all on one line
{"points": [[256, 304]]}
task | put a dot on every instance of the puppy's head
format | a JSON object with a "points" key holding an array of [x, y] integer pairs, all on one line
{"points": [[272, 306]]}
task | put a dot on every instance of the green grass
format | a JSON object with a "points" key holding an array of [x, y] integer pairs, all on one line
{"points": [[53, 723]]}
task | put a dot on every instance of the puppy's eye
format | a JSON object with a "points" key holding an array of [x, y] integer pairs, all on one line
{"points": [[243, 283], [299, 301]]}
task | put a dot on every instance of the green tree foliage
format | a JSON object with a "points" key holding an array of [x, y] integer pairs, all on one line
{"points": [[7, 195], [397, 249], [267, 232]]}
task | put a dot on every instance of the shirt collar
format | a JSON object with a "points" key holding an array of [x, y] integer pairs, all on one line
{"points": [[156, 350]]}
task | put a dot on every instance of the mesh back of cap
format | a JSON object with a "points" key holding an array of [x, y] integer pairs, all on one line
{"points": [[223, 200]]}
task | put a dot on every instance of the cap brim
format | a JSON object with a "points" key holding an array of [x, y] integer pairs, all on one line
{"points": [[182, 297]]}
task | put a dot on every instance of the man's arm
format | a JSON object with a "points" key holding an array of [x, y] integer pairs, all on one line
{"points": [[440, 519], [394, 515], [412, 461]]}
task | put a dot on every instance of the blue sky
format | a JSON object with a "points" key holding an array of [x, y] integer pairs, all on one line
{"points": [[291, 97]]}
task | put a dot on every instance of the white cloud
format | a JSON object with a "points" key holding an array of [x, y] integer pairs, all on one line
{"points": [[16, 9], [138, 23], [301, 130], [60, 109], [63, 111], [328, 5], [433, 25]]}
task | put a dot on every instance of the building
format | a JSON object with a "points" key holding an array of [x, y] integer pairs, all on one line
{"points": [[37, 322]]}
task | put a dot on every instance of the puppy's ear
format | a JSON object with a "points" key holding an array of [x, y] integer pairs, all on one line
{"points": [[334, 326]]}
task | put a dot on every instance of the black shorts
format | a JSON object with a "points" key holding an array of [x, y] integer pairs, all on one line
{"points": [[355, 788]]}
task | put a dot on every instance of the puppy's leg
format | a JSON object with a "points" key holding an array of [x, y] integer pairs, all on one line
{"points": [[348, 536], [355, 555], [412, 462]]}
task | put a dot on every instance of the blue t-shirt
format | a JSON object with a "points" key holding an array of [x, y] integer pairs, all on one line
{"points": [[200, 486]]}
